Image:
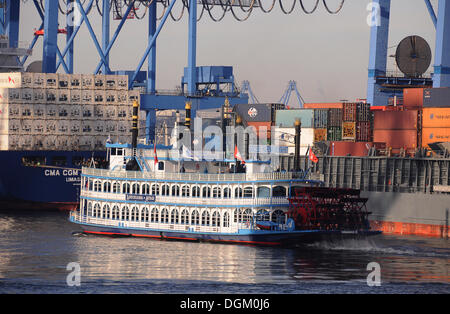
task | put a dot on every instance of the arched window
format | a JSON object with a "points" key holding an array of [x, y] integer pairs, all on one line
{"points": [[278, 216], [107, 187], [216, 192], [97, 186], [185, 191], [174, 216], [106, 212], [116, 187], [262, 215], [237, 215], [135, 188], [195, 217], [215, 219], [226, 220], [248, 192], [195, 191], [125, 213], [279, 191], [154, 215], [146, 188], [226, 192], [238, 192], [134, 214], [97, 210], [263, 191], [205, 218], [175, 190], [115, 212], [164, 216], [144, 214], [206, 191], [247, 215], [155, 189], [165, 190], [184, 217], [126, 188]]}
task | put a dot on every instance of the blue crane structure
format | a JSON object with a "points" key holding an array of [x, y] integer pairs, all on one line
{"points": [[292, 87], [377, 91], [204, 86]]}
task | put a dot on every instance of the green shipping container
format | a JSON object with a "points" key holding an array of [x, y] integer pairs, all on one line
{"points": [[286, 118], [334, 133]]}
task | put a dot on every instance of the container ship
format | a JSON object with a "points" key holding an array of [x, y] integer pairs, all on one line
{"points": [[397, 155], [50, 126]]}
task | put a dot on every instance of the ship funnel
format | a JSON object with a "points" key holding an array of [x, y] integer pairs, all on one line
{"points": [[132, 164], [187, 121]]}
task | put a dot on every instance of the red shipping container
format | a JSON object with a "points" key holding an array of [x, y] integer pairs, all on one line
{"points": [[262, 128], [395, 120], [396, 138], [363, 132], [349, 148], [349, 112], [413, 97]]}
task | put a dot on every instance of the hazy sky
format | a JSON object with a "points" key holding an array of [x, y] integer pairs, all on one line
{"points": [[327, 55]]}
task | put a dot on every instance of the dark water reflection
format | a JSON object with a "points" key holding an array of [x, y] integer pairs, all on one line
{"points": [[35, 250]]}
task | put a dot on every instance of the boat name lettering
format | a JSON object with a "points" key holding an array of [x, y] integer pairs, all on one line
{"points": [[58, 172], [140, 198]]}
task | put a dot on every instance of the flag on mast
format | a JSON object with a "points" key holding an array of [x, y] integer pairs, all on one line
{"points": [[154, 153], [237, 155], [313, 157]]}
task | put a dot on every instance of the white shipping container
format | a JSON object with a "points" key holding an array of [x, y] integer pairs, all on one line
{"points": [[122, 97], [26, 126], [86, 143], [4, 126], [111, 127], [39, 111], [87, 81], [286, 136], [75, 112], [110, 112], [26, 95], [51, 80], [99, 127], [99, 96], [63, 96], [122, 112], [75, 127], [10, 80], [4, 110], [38, 142], [26, 142], [39, 126], [99, 142], [14, 111], [87, 127], [99, 82], [50, 142], [27, 80], [50, 111], [111, 82], [74, 143], [75, 96], [13, 142], [111, 96], [75, 81], [87, 96], [4, 142], [63, 80], [62, 142], [62, 127], [14, 126], [38, 80], [26, 111], [39, 95], [63, 111], [122, 82], [50, 127], [51, 96], [123, 127], [87, 111], [14, 95], [99, 111]]}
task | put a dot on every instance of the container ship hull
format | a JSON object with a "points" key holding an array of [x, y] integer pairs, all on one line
{"points": [[41, 186]]}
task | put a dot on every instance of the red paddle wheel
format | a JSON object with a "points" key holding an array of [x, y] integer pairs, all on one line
{"points": [[319, 208]]}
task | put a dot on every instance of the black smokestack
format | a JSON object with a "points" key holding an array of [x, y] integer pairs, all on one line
{"points": [[134, 126], [187, 121], [298, 128]]}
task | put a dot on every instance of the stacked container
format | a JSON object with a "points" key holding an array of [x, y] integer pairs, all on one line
{"points": [[40, 111]]}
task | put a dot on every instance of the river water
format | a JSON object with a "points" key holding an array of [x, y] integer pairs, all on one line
{"points": [[36, 249]]}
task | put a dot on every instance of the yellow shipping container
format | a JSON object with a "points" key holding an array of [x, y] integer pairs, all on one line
{"points": [[436, 118], [320, 135], [348, 130]]}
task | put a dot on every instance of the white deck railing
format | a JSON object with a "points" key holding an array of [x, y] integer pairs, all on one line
{"points": [[196, 177]]}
